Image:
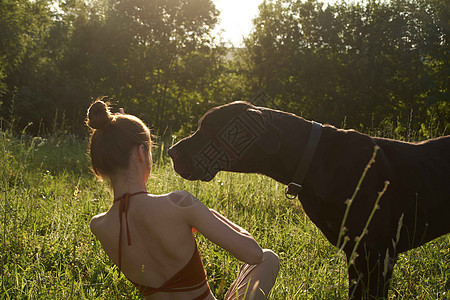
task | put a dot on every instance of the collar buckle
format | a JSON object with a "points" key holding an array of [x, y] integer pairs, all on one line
{"points": [[295, 187]]}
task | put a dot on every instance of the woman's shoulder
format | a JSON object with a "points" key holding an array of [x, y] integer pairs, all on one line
{"points": [[165, 206], [96, 222], [182, 199]]}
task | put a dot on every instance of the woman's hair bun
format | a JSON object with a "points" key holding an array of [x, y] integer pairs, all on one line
{"points": [[98, 115]]}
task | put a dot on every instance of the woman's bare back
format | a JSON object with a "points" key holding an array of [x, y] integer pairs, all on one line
{"points": [[161, 239]]}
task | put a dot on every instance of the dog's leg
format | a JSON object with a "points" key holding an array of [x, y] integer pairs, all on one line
{"points": [[369, 275]]}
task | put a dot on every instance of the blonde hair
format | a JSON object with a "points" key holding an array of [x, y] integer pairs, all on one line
{"points": [[113, 138]]}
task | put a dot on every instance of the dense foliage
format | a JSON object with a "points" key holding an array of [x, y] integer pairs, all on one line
{"points": [[357, 65], [364, 63]]}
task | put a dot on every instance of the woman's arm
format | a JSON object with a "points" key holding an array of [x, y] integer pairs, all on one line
{"points": [[223, 232], [231, 224]]}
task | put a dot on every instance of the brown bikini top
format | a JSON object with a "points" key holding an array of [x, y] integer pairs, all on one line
{"points": [[191, 277]]}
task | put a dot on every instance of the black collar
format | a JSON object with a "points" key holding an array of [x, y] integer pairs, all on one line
{"points": [[294, 188]]}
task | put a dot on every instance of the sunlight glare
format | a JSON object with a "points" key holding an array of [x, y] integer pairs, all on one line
{"points": [[235, 20]]}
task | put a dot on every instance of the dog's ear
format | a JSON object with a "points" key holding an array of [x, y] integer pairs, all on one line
{"points": [[269, 135]]}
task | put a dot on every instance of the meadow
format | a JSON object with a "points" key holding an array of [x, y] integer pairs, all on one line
{"points": [[48, 196]]}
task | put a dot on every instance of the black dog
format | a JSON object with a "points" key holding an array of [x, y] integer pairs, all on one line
{"points": [[413, 210]]}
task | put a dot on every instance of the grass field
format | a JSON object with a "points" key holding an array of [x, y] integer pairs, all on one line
{"points": [[48, 197]]}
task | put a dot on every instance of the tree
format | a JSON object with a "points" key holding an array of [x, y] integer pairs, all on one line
{"points": [[168, 56], [22, 24], [155, 57], [364, 63]]}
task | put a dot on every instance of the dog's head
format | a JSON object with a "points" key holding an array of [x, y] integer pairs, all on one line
{"points": [[233, 137]]}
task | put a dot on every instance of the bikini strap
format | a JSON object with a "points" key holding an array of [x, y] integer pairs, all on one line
{"points": [[123, 208]]}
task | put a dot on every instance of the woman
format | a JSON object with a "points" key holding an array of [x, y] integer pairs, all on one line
{"points": [[149, 237]]}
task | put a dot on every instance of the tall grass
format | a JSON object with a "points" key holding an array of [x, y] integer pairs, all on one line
{"points": [[48, 197]]}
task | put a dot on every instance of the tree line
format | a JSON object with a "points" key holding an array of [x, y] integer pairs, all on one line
{"points": [[372, 64]]}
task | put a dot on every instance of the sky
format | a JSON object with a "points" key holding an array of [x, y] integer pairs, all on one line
{"points": [[236, 19]]}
